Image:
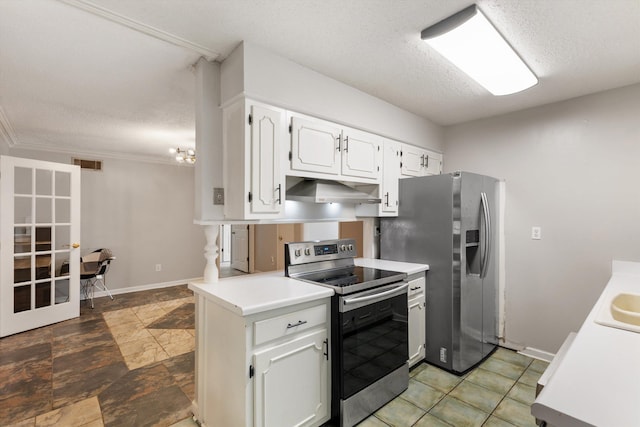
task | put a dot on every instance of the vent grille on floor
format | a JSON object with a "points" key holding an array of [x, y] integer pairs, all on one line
{"points": [[95, 165]]}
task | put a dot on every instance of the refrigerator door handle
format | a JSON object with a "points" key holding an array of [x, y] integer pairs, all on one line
{"points": [[487, 234]]}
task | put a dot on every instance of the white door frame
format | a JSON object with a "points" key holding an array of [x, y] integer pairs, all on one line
{"points": [[47, 202]]}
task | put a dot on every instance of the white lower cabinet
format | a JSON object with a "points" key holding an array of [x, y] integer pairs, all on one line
{"points": [[269, 369], [291, 382], [417, 318]]}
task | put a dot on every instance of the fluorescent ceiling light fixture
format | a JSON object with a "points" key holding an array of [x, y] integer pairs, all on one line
{"points": [[473, 44]]}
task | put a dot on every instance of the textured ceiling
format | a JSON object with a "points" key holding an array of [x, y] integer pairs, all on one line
{"points": [[73, 81]]}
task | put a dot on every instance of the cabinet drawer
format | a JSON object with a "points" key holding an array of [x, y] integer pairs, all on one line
{"points": [[291, 323], [416, 286]]}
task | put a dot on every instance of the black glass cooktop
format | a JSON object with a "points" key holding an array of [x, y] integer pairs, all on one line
{"points": [[343, 278]]}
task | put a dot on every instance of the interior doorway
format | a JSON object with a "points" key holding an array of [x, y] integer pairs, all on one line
{"points": [[353, 230]]}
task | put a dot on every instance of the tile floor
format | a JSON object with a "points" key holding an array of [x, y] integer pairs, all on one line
{"points": [[130, 362]]}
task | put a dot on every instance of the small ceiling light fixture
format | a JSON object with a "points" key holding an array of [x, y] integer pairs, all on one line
{"points": [[473, 44], [184, 156]]}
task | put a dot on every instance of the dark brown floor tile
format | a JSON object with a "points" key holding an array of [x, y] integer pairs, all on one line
{"points": [[135, 384], [25, 339], [76, 386], [182, 369], [25, 389], [23, 354], [81, 336], [182, 317], [87, 359], [161, 408]]}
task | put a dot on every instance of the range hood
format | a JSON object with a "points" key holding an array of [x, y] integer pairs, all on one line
{"points": [[323, 191]]}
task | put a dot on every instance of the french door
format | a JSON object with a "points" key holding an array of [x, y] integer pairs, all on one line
{"points": [[39, 243]]}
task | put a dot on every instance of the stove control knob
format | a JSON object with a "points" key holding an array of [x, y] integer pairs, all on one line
{"points": [[343, 248], [297, 252], [350, 247], [307, 251]]}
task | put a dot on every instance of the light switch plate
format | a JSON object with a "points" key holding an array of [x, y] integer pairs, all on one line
{"points": [[218, 196]]}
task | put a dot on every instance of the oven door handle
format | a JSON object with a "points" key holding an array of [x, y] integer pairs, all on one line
{"points": [[397, 290]]}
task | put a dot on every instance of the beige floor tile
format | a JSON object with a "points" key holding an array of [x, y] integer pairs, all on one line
{"points": [[177, 348], [512, 357], [187, 422], [129, 332], [421, 395], [78, 414], [30, 422], [506, 369], [477, 396], [417, 369], [119, 317], [430, 421], [523, 393], [169, 306], [530, 377], [149, 313], [539, 365], [515, 413], [496, 422], [399, 413], [168, 336], [438, 379], [146, 357], [491, 380], [458, 413], [139, 346]]}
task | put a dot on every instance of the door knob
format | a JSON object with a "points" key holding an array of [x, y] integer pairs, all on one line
{"points": [[280, 238], [75, 245]]}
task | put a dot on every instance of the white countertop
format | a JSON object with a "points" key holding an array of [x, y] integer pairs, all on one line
{"points": [[598, 381], [383, 264], [255, 293]]}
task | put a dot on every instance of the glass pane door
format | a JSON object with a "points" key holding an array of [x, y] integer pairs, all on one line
{"points": [[40, 267]]}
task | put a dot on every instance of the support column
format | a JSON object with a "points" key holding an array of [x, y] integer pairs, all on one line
{"points": [[211, 253]]}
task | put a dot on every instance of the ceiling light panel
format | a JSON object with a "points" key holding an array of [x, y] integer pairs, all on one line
{"points": [[469, 41]]}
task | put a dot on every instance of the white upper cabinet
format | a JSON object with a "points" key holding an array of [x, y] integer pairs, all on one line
{"points": [[254, 136], [418, 161], [315, 146], [390, 176], [266, 180], [361, 153], [321, 149]]}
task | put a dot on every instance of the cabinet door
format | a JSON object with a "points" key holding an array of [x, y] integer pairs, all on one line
{"points": [[433, 163], [361, 154], [413, 159], [291, 382], [390, 176], [417, 338], [315, 146], [266, 185]]}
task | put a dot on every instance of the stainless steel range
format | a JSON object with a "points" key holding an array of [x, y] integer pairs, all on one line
{"points": [[369, 332]]}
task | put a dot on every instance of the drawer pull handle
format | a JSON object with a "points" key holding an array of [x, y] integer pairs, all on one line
{"points": [[415, 289], [300, 322]]}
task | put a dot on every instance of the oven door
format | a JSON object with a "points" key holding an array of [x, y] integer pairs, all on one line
{"points": [[373, 337]]}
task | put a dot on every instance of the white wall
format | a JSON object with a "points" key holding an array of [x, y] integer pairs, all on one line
{"points": [[572, 168], [144, 213], [320, 231], [276, 80]]}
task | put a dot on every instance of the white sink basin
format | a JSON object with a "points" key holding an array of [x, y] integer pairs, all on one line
{"points": [[626, 308], [620, 310]]}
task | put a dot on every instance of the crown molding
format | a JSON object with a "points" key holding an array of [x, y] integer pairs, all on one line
{"points": [[6, 130], [100, 155], [94, 9]]}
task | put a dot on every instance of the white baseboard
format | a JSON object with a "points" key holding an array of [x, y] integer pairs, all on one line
{"points": [[144, 287], [537, 354]]}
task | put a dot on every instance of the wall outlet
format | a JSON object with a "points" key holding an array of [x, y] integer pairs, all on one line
{"points": [[536, 233], [158, 267]]}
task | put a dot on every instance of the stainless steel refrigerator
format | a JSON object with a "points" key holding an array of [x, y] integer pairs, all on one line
{"points": [[449, 222]]}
